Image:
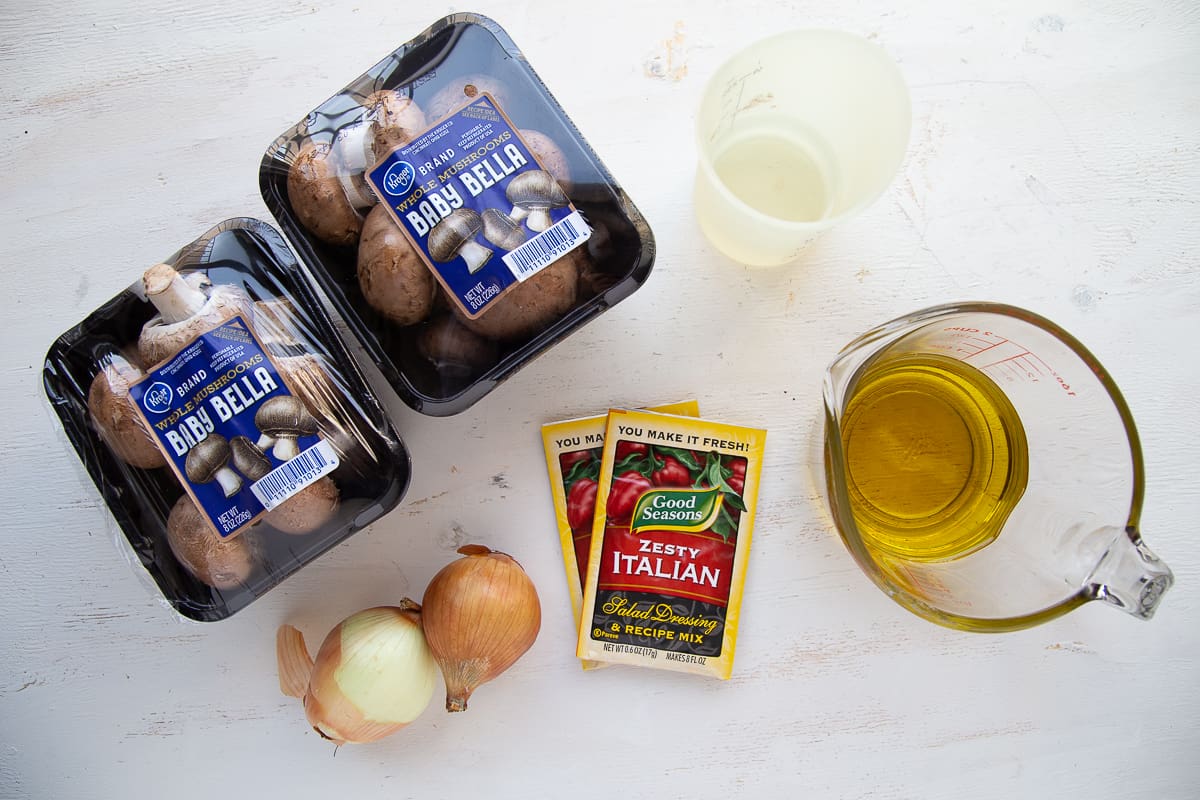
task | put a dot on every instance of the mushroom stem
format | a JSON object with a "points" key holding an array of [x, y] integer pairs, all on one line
{"points": [[229, 480], [476, 255], [265, 441], [539, 219], [286, 448], [175, 299], [518, 213]]}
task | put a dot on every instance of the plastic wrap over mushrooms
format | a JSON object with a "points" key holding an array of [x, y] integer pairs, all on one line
{"points": [[314, 176], [239, 275]]}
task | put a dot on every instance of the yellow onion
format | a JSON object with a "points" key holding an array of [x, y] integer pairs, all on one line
{"points": [[373, 675], [480, 614]]}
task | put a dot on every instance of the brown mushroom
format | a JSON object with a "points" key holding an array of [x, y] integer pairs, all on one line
{"points": [[116, 417], [282, 420], [529, 306], [318, 195], [187, 307], [248, 459], [395, 119], [502, 230], [549, 155], [455, 236], [452, 349], [307, 510], [208, 460], [461, 91], [533, 195], [219, 563], [394, 280]]}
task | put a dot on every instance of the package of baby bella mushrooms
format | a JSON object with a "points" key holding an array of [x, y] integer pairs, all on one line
{"points": [[675, 511], [223, 421], [573, 451]]}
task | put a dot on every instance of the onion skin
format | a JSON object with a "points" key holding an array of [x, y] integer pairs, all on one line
{"points": [[369, 679], [480, 613]]}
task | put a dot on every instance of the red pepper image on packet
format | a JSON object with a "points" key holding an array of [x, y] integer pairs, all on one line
{"points": [[670, 542], [573, 451]]}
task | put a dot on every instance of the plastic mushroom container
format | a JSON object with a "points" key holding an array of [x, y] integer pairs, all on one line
{"points": [[459, 224], [453, 214], [223, 421]]}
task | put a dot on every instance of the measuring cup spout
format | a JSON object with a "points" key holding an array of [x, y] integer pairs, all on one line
{"points": [[1130, 576]]}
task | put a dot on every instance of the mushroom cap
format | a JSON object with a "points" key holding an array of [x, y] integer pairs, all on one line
{"points": [[160, 340], [116, 417], [219, 563], [452, 233], [461, 91], [394, 280], [318, 198], [396, 119], [530, 306], [248, 458], [550, 155], [285, 415], [206, 457], [307, 510], [455, 349], [502, 230], [535, 189]]}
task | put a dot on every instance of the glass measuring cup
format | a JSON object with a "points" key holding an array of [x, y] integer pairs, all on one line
{"points": [[984, 470]]}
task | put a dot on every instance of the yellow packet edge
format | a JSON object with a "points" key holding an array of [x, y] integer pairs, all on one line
{"points": [[586, 430]]}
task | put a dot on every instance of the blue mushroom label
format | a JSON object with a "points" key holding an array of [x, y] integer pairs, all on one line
{"points": [[238, 440], [474, 200]]}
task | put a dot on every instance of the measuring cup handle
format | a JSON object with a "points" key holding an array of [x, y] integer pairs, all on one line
{"points": [[1130, 576]]}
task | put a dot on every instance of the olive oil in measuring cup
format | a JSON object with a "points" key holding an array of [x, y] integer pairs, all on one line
{"points": [[936, 457]]}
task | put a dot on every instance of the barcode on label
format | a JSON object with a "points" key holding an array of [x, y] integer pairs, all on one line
{"points": [[544, 249], [290, 477]]}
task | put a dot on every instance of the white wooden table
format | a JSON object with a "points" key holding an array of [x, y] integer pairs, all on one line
{"points": [[1054, 164]]}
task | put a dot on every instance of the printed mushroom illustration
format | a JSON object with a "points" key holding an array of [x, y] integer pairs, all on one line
{"points": [[502, 230], [311, 378], [394, 279], [187, 307], [282, 420], [116, 417], [216, 562], [208, 460], [455, 236], [533, 195], [306, 510], [317, 185], [248, 459]]}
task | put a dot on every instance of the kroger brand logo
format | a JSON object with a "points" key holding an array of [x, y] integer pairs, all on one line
{"points": [[158, 398], [399, 178]]}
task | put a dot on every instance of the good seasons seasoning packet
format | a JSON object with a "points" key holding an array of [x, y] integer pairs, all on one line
{"points": [[478, 206], [670, 542], [573, 451], [235, 436]]}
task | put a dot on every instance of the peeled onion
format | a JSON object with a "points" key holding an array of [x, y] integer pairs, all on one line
{"points": [[373, 675], [480, 614]]}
